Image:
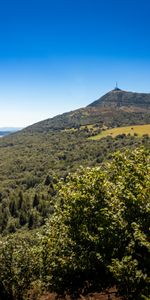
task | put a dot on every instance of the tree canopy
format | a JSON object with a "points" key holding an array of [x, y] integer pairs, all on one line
{"points": [[97, 237], [99, 234]]}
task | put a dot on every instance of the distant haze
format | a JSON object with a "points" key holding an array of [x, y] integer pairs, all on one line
{"points": [[10, 128]]}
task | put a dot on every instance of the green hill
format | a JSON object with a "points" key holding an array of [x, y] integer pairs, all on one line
{"points": [[116, 108], [35, 158]]}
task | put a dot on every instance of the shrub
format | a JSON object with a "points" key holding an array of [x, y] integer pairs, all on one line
{"points": [[99, 233]]}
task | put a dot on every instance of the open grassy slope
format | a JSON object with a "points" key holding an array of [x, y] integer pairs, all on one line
{"points": [[139, 130]]}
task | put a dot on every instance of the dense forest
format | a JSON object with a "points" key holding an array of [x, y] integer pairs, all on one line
{"points": [[97, 237], [31, 166]]}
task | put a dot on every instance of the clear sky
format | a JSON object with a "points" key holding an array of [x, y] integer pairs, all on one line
{"points": [[59, 55]]}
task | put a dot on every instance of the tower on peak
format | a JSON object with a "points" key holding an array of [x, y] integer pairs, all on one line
{"points": [[116, 87]]}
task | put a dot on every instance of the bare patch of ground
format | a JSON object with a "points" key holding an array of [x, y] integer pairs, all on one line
{"points": [[106, 295]]}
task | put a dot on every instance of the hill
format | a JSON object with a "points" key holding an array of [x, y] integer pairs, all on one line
{"points": [[34, 159], [116, 108], [124, 100]]}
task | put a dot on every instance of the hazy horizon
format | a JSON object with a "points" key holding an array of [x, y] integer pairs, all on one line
{"points": [[57, 56]]}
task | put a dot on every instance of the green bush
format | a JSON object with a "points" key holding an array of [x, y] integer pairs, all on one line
{"points": [[19, 266], [99, 233]]}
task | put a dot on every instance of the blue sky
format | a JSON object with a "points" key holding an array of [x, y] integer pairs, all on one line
{"points": [[59, 55]]}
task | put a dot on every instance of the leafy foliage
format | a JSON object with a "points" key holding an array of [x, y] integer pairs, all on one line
{"points": [[97, 237], [99, 234], [19, 265]]}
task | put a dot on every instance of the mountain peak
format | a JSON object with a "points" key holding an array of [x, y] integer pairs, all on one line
{"points": [[119, 98], [116, 89]]}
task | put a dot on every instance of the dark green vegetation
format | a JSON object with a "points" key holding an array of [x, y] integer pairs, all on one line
{"points": [[65, 254], [98, 236], [31, 165]]}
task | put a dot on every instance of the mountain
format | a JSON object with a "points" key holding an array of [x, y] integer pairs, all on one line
{"points": [[34, 159], [116, 108], [120, 99]]}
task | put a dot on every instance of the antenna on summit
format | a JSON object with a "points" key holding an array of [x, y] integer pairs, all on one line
{"points": [[116, 87]]}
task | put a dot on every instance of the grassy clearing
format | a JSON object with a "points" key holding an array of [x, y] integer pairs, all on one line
{"points": [[132, 130]]}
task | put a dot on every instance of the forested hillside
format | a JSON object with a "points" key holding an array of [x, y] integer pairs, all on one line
{"points": [[33, 160], [31, 165], [47, 199]]}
